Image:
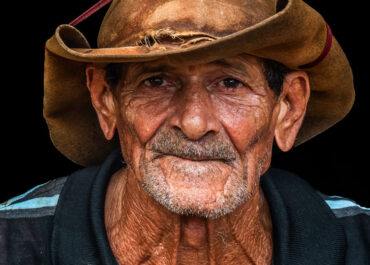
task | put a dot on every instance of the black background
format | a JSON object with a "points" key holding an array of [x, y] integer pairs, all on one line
{"points": [[334, 162]]}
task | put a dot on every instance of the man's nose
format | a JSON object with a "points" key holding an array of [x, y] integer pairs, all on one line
{"points": [[195, 114]]}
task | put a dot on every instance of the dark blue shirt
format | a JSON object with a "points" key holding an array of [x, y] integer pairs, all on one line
{"points": [[62, 222]]}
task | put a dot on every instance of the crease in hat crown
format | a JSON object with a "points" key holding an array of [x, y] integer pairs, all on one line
{"points": [[192, 31], [127, 23]]}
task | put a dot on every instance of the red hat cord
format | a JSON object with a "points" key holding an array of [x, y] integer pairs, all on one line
{"points": [[99, 5]]}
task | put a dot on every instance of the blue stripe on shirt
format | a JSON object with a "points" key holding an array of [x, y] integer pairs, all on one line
{"points": [[341, 204], [32, 203], [19, 197]]}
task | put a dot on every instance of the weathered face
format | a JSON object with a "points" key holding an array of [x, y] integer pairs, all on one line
{"points": [[197, 137]]}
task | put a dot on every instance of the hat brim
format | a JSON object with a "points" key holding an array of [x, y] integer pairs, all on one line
{"points": [[294, 36]]}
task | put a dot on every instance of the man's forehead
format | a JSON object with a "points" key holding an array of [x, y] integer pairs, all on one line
{"points": [[240, 63]]}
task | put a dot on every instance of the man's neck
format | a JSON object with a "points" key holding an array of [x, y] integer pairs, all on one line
{"points": [[141, 231]]}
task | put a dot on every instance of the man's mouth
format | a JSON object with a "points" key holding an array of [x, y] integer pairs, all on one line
{"points": [[194, 158]]}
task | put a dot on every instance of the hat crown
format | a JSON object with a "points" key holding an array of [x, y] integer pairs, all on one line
{"points": [[129, 22]]}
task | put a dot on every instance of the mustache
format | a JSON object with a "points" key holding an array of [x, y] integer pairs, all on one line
{"points": [[209, 147]]}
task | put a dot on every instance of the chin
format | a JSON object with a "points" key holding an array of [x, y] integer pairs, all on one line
{"points": [[190, 195]]}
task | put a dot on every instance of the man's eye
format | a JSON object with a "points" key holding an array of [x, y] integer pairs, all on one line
{"points": [[155, 81], [231, 83]]}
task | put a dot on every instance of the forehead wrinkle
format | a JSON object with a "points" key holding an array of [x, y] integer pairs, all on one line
{"points": [[162, 67], [237, 67], [225, 64], [143, 68]]}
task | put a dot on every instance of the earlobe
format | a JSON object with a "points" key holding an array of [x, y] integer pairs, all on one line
{"points": [[102, 100], [292, 108]]}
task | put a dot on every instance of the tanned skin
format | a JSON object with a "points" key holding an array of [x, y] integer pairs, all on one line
{"points": [[196, 139]]}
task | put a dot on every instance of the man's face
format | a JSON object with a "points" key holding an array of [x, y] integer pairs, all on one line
{"points": [[197, 137]]}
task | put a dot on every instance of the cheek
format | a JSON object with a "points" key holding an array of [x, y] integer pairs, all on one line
{"points": [[245, 122], [143, 115], [138, 119]]}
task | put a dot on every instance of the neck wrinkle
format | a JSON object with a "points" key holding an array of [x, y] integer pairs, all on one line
{"points": [[144, 233], [254, 221], [243, 234], [239, 242], [244, 221], [211, 246], [141, 231]]}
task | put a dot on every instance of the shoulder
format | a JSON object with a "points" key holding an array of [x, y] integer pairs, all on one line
{"points": [[303, 202], [39, 201], [293, 187], [26, 223], [344, 207], [355, 220]]}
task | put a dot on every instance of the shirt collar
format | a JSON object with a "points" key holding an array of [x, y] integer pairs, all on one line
{"points": [[305, 231], [79, 235]]}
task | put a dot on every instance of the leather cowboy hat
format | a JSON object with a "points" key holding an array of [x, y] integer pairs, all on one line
{"points": [[286, 31]]}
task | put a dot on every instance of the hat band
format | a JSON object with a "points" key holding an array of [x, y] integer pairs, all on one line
{"points": [[325, 51]]}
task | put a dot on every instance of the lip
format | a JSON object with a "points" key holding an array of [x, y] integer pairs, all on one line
{"points": [[198, 159]]}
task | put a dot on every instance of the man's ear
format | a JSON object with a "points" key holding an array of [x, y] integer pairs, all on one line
{"points": [[293, 103], [102, 99]]}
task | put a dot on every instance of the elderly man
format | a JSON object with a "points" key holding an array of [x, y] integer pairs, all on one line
{"points": [[194, 93]]}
